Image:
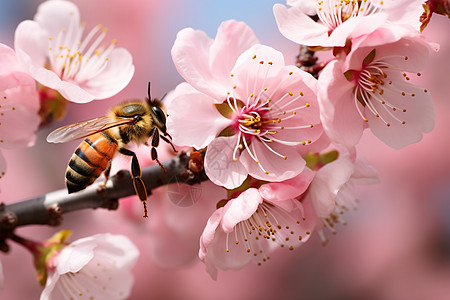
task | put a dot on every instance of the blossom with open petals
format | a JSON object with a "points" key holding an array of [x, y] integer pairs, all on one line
{"points": [[341, 19], [19, 105], [255, 223], [251, 110], [331, 192], [57, 53], [370, 88], [96, 267]]}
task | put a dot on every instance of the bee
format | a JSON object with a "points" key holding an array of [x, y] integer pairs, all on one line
{"points": [[133, 121]]}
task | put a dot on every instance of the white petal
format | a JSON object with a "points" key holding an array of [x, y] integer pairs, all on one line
{"points": [[114, 78], [55, 15], [297, 26]]}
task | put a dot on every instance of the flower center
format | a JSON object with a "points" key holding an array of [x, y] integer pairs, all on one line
{"points": [[273, 224], [252, 120], [335, 12], [373, 83], [73, 58], [264, 113]]}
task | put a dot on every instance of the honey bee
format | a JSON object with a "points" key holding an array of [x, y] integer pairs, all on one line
{"points": [[133, 121]]}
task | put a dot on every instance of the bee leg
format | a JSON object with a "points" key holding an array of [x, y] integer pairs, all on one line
{"points": [[106, 172], [168, 142], [155, 143], [136, 174]]}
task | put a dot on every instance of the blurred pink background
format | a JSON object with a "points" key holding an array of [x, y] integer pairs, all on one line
{"points": [[395, 246]]}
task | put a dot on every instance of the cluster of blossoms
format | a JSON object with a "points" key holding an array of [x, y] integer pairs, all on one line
{"points": [[271, 130], [278, 141]]}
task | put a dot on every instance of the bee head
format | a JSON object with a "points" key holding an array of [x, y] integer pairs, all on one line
{"points": [[158, 114]]}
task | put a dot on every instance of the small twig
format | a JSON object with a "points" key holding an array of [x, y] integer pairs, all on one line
{"points": [[48, 209], [307, 61]]}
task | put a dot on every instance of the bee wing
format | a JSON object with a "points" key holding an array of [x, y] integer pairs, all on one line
{"points": [[83, 129]]}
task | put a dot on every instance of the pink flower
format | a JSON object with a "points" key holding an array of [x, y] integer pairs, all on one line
{"points": [[255, 223], [250, 110], [340, 19], [331, 192], [19, 105], [370, 88], [56, 54], [96, 267]]}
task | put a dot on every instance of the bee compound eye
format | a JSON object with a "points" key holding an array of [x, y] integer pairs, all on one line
{"points": [[159, 114]]}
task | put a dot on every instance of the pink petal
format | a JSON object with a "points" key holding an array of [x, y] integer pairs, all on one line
{"points": [[288, 189], [297, 93], [327, 183], [8, 60], [217, 256], [354, 27], [419, 115], [209, 232], [213, 245], [389, 42], [206, 64], [193, 119], [53, 16], [415, 49], [106, 258], [248, 72], [20, 101], [31, 44], [114, 78], [298, 27], [279, 168], [309, 7], [68, 90], [240, 209], [365, 173], [319, 144], [190, 54], [220, 166], [231, 40], [49, 290], [74, 257], [340, 119]]}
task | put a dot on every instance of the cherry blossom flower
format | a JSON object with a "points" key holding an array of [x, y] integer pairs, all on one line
{"points": [[370, 88], [19, 105], [56, 54], [341, 19], [331, 192], [96, 267], [250, 110], [256, 222]]}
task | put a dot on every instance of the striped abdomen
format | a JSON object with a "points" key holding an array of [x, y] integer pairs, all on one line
{"points": [[89, 160]]}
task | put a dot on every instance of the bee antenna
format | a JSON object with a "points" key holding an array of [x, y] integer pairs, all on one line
{"points": [[164, 96], [149, 96]]}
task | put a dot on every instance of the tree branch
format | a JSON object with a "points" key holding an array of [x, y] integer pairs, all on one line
{"points": [[48, 209]]}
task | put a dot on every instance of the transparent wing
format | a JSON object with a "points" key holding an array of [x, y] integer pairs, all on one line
{"points": [[83, 129]]}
